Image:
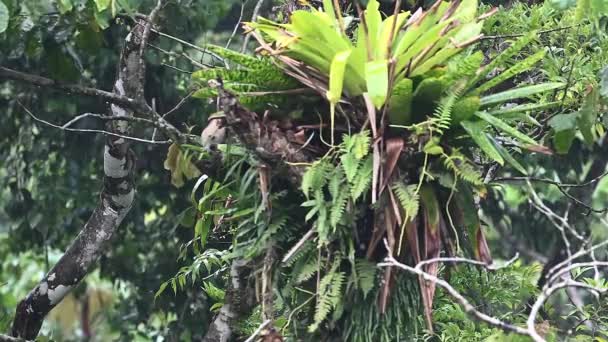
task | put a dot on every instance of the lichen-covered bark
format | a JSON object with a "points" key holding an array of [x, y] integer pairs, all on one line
{"points": [[115, 201]]}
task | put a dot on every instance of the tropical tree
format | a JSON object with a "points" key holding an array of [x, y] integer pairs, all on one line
{"points": [[335, 190]]}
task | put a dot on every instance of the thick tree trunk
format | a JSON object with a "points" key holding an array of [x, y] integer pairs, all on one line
{"points": [[115, 201]]}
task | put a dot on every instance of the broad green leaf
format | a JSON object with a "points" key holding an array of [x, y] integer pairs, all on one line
{"points": [[4, 17], [520, 92], [518, 68], [161, 289], [476, 132], [503, 57], [102, 4], [432, 147], [389, 25], [508, 157], [501, 125], [400, 103], [467, 11], [528, 107], [336, 81], [376, 76], [426, 40], [373, 21], [563, 140]]}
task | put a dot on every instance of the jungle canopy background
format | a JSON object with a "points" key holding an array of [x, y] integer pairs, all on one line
{"points": [[216, 170]]}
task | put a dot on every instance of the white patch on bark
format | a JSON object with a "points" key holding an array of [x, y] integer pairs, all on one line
{"points": [[120, 89], [102, 235], [44, 286], [114, 167], [118, 111], [57, 294], [119, 141], [51, 277]]}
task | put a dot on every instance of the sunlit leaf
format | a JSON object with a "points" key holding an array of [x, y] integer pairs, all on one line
{"points": [[376, 76], [521, 92]]}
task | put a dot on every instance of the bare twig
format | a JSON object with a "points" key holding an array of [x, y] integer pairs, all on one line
{"points": [[548, 290], [162, 142], [468, 261], [258, 331], [105, 118], [238, 23], [466, 305], [254, 17]]}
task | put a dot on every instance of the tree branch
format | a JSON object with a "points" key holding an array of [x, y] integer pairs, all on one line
{"points": [[116, 197]]}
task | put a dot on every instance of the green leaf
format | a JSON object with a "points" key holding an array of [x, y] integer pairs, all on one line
{"points": [[4, 17], [528, 107], [65, 6], [508, 157], [503, 57], [518, 68], [102, 4], [476, 132], [501, 125], [376, 77], [564, 131], [408, 198], [588, 116], [518, 93], [161, 289], [336, 81], [432, 147]]}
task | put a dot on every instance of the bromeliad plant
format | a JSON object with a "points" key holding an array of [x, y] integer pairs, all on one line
{"points": [[428, 108], [415, 106]]}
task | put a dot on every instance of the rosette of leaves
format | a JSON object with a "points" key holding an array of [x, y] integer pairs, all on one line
{"points": [[437, 101], [381, 54]]}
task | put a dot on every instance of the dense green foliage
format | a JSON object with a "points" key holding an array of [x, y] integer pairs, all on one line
{"points": [[528, 100]]}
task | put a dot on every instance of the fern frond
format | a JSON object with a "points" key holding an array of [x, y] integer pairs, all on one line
{"points": [[408, 198], [338, 208], [366, 275], [442, 117], [316, 176], [363, 179], [350, 164], [336, 183], [305, 269], [329, 296], [463, 168]]}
